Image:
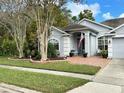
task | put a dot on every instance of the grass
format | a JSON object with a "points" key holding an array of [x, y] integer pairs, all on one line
{"points": [[58, 66], [41, 82]]}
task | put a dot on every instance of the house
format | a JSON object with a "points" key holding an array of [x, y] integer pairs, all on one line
{"points": [[95, 36]]}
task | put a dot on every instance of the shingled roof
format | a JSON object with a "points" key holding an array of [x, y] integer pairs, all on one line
{"points": [[74, 27], [114, 22]]}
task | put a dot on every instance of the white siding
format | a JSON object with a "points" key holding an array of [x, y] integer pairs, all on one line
{"points": [[66, 46], [118, 47], [95, 26], [72, 43], [110, 47], [120, 31], [93, 48], [87, 42]]}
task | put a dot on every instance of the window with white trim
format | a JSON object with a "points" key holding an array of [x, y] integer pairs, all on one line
{"points": [[55, 43], [103, 43]]}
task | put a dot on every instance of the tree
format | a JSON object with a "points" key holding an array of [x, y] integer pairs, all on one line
{"points": [[62, 17], [44, 15], [86, 14], [13, 17], [75, 19]]}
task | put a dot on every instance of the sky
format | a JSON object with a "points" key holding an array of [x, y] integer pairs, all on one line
{"points": [[102, 9]]}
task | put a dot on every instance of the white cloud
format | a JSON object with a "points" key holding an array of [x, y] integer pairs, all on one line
{"points": [[107, 16], [77, 8], [121, 15]]}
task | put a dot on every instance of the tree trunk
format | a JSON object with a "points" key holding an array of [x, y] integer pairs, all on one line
{"points": [[21, 54], [43, 51]]}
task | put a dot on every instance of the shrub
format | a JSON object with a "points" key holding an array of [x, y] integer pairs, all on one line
{"points": [[104, 53], [52, 52], [8, 48], [35, 55]]}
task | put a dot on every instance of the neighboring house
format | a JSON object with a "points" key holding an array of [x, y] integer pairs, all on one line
{"points": [[96, 36]]}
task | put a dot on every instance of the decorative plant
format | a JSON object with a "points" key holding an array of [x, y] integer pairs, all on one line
{"points": [[104, 53], [52, 52], [84, 54]]}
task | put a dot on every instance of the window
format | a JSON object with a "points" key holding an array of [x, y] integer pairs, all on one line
{"points": [[103, 43], [55, 43]]}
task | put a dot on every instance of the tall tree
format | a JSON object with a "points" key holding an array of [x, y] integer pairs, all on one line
{"points": [[13, 17], [62, 18], [44, 15], [86, 14], [75, 19]]}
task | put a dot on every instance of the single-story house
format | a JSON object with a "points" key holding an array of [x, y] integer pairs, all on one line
{"points": [[90, 37]]}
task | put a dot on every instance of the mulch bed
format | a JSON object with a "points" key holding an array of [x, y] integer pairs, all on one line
{"points": [[49, 60]]}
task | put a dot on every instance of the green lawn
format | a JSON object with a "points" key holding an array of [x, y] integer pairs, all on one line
{"points": [[59, 66], [41, 82]]}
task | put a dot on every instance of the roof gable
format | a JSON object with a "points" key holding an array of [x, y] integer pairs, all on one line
{"points": [[94, 25], [63, 32], [118, 29], [74, 27]]}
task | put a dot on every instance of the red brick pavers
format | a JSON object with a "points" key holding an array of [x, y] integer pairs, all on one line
{"points": [[95, 61]]}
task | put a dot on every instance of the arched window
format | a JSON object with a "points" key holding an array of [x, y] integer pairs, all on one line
{"points": [[55, 43]]}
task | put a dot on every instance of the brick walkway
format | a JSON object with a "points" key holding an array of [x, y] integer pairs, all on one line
{"points": [[95, 61]]}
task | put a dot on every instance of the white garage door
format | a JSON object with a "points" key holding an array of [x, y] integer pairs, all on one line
{"points": [[118, 48]]}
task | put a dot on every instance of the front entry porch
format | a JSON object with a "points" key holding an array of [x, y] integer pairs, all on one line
{"points": [[84, 42], [80, 43]]}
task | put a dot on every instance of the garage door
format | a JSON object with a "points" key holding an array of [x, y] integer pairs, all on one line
{"points": [[118, 48]]}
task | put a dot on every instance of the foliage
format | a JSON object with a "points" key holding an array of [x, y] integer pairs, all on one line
{"points": [[8, 48], [85, 14], [31, 45], [62, 17], [14, 14], [74, 18], [52, 52], [7, 45], [104, 53]]}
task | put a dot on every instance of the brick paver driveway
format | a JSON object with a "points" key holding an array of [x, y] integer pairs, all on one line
{"points": [[95, 61]]}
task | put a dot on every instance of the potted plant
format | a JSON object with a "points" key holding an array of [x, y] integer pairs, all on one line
{"points": [[85, 54], [72, 53], [104, 53]]}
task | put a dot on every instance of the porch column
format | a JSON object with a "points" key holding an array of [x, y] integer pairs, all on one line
{"points": [[87, 42], [66, 45]]}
